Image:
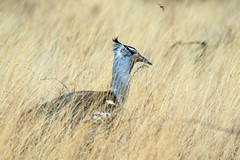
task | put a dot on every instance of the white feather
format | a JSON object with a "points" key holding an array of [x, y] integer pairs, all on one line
{"points": [[111, 102]]}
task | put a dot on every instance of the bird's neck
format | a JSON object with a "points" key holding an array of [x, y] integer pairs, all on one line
{"points": [[121, 79]]}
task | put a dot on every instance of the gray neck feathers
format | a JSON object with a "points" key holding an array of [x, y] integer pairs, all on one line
{"points": [[122, 66]]}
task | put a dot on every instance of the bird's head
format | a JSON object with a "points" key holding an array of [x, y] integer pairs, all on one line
{"points": [[122, 51]]}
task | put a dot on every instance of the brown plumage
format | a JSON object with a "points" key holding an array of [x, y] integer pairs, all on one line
{"points": [[82, 103]]}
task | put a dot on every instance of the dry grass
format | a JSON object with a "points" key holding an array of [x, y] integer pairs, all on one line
{"points": [[186, 106]]}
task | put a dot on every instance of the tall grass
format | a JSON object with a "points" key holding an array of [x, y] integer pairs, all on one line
{"points": [[185, 106]]}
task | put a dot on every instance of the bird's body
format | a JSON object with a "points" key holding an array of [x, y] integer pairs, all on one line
{"points": [[84, 103]]}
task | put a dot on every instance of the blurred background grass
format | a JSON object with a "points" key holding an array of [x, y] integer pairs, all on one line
{"points": [[185, 106]]}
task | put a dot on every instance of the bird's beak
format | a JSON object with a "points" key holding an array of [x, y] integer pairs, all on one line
{"points": [[140, 58]]}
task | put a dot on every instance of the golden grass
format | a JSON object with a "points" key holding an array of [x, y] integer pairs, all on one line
{"points": [[185, 106]]}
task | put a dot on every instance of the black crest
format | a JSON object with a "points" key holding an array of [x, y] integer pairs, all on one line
{"points": [[115, 40]]}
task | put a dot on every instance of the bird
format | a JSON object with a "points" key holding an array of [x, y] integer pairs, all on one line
{"points": [[101, 103]]}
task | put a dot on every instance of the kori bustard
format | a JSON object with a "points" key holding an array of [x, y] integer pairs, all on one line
{"points": [[83, 103]]}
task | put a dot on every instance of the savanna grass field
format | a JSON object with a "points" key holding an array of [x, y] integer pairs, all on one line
{"points": [[184, 106]]}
